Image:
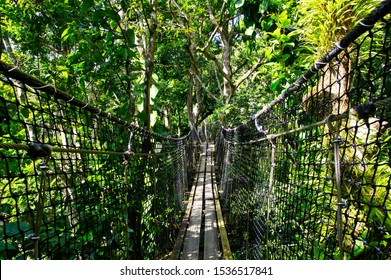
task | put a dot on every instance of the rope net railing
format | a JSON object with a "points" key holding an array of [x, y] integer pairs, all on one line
{"points": [[308, 177], [77, 183]]}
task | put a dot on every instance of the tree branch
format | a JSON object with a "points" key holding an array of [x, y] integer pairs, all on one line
{"points": [[240, 67], [218, 82], [210, 38], [206, 89], [244, 77], [249, 72]]}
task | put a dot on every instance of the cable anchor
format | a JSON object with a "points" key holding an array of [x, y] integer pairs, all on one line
{"points": [[33, 236], [338, 140], [38, 150]]}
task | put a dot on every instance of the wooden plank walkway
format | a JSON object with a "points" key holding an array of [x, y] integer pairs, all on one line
{"points": [[202, 234]]}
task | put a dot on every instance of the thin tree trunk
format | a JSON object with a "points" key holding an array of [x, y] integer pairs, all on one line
{"points": [[226, 59], [150, 63], [191, 113]]}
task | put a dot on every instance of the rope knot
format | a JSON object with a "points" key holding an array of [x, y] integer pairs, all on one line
{"points": [[38, 150]]}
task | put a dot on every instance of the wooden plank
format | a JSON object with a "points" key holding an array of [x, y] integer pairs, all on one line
{"points": [[204, 195], [208, 187], [208, 177], [211, 239], [193, 234], [182, 231], [227, 254], [191, 244], [209, 160]]}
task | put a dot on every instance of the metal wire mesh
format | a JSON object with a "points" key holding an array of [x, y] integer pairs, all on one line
{"points": [[76, 183], [309, 176]]}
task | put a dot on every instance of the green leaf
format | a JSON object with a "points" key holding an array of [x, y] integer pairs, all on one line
{"points": [[142, 116], [289, 45], [153, 117], [81, 66], [109, 38], [3, 246], [239, 3], [358, 248], [113, 15], [25, 112], [16, 228], [318, 252], [286, 56], [154, 91], [284, 20], [122, 53], [64, 34], [88, 236], [274, 84], [113, 24], [130, 37], [87, 4], [99, 16], [242, 25], [265, 5], [285, 23], [137, 92], [276, 33], [65, 74], [231, 7], [267, 24]]}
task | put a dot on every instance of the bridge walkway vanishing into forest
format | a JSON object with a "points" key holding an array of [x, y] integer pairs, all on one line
{"points": [[307, 177], [202, 234]]}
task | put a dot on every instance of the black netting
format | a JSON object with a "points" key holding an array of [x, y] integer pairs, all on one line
{"points": [[79, 184], [309, 176]]}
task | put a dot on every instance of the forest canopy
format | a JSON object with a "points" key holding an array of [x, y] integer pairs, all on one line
{"points": [[170, 65], [91, 90]]}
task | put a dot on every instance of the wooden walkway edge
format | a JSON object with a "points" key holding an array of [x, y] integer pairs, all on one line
{"points": [[202, 234]]}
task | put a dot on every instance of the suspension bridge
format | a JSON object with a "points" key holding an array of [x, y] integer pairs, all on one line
{"points": [[307, 177], [203, 219]]}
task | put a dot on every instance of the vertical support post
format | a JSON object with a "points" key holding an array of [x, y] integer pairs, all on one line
{"points": [[334, 132], [126, 189], [180, 181], [247, 236], [271, 179], [155, 196], [337, 141], [185, 160], [40, 205]]}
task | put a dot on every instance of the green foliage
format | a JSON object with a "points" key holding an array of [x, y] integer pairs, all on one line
{"points": [[324, 23]]}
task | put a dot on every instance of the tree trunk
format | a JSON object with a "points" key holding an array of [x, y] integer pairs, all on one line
{"points": [[226, 60], [192, 113], [167, 119], [146, 48], [149, 66]]}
